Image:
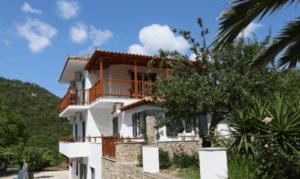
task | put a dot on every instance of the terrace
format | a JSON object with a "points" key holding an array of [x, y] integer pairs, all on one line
{"points": [[117, 75]]}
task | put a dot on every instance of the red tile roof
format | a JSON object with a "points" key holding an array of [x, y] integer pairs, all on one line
{"points": [[144, 101]]}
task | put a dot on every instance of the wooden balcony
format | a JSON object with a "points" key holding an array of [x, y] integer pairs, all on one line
{"points": [[71, 139], [73, 97], [121, 88]]}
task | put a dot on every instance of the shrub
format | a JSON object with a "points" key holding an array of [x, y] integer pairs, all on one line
{"points": [[140, 159], [164, 159], [276, 163], [270, 133], [183, 160], [241, 167]]}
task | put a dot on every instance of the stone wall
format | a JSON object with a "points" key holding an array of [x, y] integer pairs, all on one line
{"points": [[118, 170], [151, 130], [187, 147], [128, 151]]}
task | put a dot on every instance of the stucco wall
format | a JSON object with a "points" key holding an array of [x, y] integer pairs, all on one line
{"points": [[101, 121]]}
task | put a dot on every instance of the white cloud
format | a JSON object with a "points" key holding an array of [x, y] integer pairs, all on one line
{"points": [[193, 57], [155, 37], [249, 30], [78, 33], [27, 8], [37, 33], [98, 36], [67, 9]]}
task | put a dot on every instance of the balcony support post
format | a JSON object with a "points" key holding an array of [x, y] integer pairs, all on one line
{"points": [[101, 77], [135, 80]]}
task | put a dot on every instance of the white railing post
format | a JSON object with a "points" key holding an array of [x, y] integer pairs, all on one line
{"points": [[213, 163], [150, 159]]}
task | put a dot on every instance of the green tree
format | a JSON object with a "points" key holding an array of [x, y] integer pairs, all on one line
{"points": [[235, 19], [216, 82], [12, 137]]}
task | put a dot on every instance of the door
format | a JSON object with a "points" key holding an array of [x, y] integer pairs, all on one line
{"points": [[83, 171], [92, 173], [83, 130], [83, 90], [115, 126]]}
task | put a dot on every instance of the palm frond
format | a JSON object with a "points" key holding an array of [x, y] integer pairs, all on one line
{"points": [[289, 39], [237, 18]]}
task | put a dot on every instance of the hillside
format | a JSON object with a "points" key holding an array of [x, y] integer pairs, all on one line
{"points": [[30, 114]]}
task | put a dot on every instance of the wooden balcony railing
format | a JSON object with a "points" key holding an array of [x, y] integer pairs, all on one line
{"points": [[109, 144], [120, 87], [71, 139], [73, 97]]}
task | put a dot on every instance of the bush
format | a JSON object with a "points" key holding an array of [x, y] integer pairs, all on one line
{"points": [[164, 159], [183, 160], [269, 132], [275, 163], [140, 159], [240, 167], [38, 158]]}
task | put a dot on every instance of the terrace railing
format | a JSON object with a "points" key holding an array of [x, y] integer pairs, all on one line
{"points": [[121, 88], [71, 139], [73, 97]]}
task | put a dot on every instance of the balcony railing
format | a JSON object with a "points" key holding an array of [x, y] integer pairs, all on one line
{"points": [[122, 88], [73, 97], [71, 139], [108, 87]]}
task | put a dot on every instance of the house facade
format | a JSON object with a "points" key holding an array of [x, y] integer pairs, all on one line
{"points": [[112, 115]]}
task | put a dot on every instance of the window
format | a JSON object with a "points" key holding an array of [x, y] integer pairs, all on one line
{"points": [[76, 169], [92, 173], [76, 131], [83, 128], [115, 126], [138, 124], [174, 127], [188, 125]]}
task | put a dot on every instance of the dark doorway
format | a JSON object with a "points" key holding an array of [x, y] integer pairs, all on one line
{"points": [[115, 126]]}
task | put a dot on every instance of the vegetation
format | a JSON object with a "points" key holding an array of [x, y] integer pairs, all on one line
{"points": [[235, 19], [183, 160], [261, 104], [29, 125], [216, 83], [269, 133], [237, 168], [164, 159]]}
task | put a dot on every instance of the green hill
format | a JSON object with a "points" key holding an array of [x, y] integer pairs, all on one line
{"points": [[29, 124]]}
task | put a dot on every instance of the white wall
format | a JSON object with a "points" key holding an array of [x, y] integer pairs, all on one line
{"points": [[100, 122], [78, 118], [93, 159]]}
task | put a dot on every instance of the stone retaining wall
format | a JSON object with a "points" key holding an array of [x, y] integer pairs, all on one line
{"points": [[187, 147], [128, 151], [117, 170]]}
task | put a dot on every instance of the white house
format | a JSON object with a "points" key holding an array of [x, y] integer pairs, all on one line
{"points": [[107, 102]]}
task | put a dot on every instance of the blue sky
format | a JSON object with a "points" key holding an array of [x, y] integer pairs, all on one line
{"points": [[36, 36]]}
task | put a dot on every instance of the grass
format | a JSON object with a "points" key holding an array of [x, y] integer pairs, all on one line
{"points": [[189, 173], [237, 168]]}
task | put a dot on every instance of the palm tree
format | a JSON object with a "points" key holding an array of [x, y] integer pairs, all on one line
{"points": [[235, 19]]}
